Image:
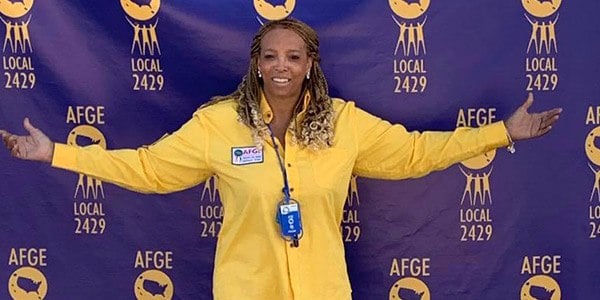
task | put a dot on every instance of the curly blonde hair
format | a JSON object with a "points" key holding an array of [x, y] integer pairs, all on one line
{"points": [[315, 130]]}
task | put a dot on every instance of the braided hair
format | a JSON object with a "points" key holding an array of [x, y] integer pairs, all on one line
{"points": [[315, 130]]}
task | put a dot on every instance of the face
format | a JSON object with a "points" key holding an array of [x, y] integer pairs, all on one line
{"points": [[284, 63]]}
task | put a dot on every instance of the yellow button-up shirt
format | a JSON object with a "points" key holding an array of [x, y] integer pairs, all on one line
{"points": [[252, 260]]}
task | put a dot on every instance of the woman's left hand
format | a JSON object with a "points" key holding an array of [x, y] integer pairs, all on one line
{"points": [[522, 125]]}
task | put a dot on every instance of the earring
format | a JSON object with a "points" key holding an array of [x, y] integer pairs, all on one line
{"points": [[259, 74], [308, 75]]}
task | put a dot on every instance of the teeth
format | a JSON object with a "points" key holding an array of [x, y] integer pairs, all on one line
{"points": [[281, 80]]}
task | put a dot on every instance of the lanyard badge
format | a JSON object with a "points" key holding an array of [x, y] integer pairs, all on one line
{"points": [[288, 210], [290, 220]]}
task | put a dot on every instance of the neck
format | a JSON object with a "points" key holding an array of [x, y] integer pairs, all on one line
{"points": [[283, 112], [283, 107]]}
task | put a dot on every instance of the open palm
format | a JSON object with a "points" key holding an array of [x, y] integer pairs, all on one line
{"points": [[35, 146], [523, 125]]}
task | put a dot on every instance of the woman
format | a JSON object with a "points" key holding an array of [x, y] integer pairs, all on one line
{"points": [[280, 129]]}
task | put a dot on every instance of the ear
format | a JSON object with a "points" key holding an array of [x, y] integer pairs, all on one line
{"points": [[310, 62]]}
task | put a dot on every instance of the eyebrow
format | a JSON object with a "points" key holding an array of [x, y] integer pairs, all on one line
{"points": [[287, 51]]}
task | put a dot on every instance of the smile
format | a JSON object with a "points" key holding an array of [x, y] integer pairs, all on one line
{"points": [[281, 80]]}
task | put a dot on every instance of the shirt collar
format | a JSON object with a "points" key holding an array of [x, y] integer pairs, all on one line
{"points": [[267, 112]]}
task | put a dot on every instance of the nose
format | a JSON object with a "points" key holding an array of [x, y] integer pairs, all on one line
{"points": [[282, 64]]}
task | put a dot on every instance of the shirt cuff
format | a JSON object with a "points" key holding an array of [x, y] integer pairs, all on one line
{"points": [[496, 133], [65, 156]]}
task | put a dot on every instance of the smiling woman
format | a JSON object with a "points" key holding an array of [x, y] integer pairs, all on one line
{"points": [[282, 149], [284, 63]]}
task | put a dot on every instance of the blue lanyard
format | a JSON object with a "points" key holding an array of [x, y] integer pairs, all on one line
{"points": [[290, 231], [286, 186]]}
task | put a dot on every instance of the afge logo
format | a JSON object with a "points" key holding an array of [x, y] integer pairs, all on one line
{"points": [[145, 50], [145, 40], [17, 47], [246, 155], [27, 283], [350, 222], [273, 9], [353, 199], [409, 286], [211, 209], [476, 199], [16, 38], [540, 64], [540, 287], [592, 151], [88, 211], [409, 70], [477, 187], [210, 191], [152, 285], [85, 135], [543, 33], [412, 36], [593, 154]]}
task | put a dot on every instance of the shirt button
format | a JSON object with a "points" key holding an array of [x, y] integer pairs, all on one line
{"points": [[291, 189], [289, 165]]}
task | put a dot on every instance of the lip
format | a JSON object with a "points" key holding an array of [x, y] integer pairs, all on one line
{"points": [[281, 81]]}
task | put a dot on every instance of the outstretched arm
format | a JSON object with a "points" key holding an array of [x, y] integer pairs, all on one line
{"points": [[391, 152], [176, 162]]}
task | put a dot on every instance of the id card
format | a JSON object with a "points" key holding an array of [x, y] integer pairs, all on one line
{"points": [[289, 219]]}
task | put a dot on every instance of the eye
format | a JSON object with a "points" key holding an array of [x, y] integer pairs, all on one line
{"points": [[269, 56], [294, 57]]}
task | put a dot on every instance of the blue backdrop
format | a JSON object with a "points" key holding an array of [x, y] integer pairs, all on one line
{"points": [[122, 74]]}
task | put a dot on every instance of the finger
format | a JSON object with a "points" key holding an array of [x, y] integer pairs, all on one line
{"points": [[554, 111], [528, 102], [5, 139], [550, 116], [557, 110], [549, 120], [11, 142], [5, 136], [14, 151], [30, 128], [543, 131]]}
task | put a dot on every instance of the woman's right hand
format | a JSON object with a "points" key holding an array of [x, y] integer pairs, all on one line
{"points": [[35, 146]]}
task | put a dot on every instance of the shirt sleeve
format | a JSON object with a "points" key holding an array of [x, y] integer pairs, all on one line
{"points": [[176, 162], [389, 151]]}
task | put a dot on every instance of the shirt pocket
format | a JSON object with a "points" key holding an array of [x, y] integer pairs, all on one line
{"points": [[332, 168]]}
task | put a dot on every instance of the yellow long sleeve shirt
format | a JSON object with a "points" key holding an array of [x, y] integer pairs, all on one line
{"points": [[252, 260]]}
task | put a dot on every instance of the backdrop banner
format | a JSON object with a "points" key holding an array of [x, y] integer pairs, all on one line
{"points": [[121, 74]]}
